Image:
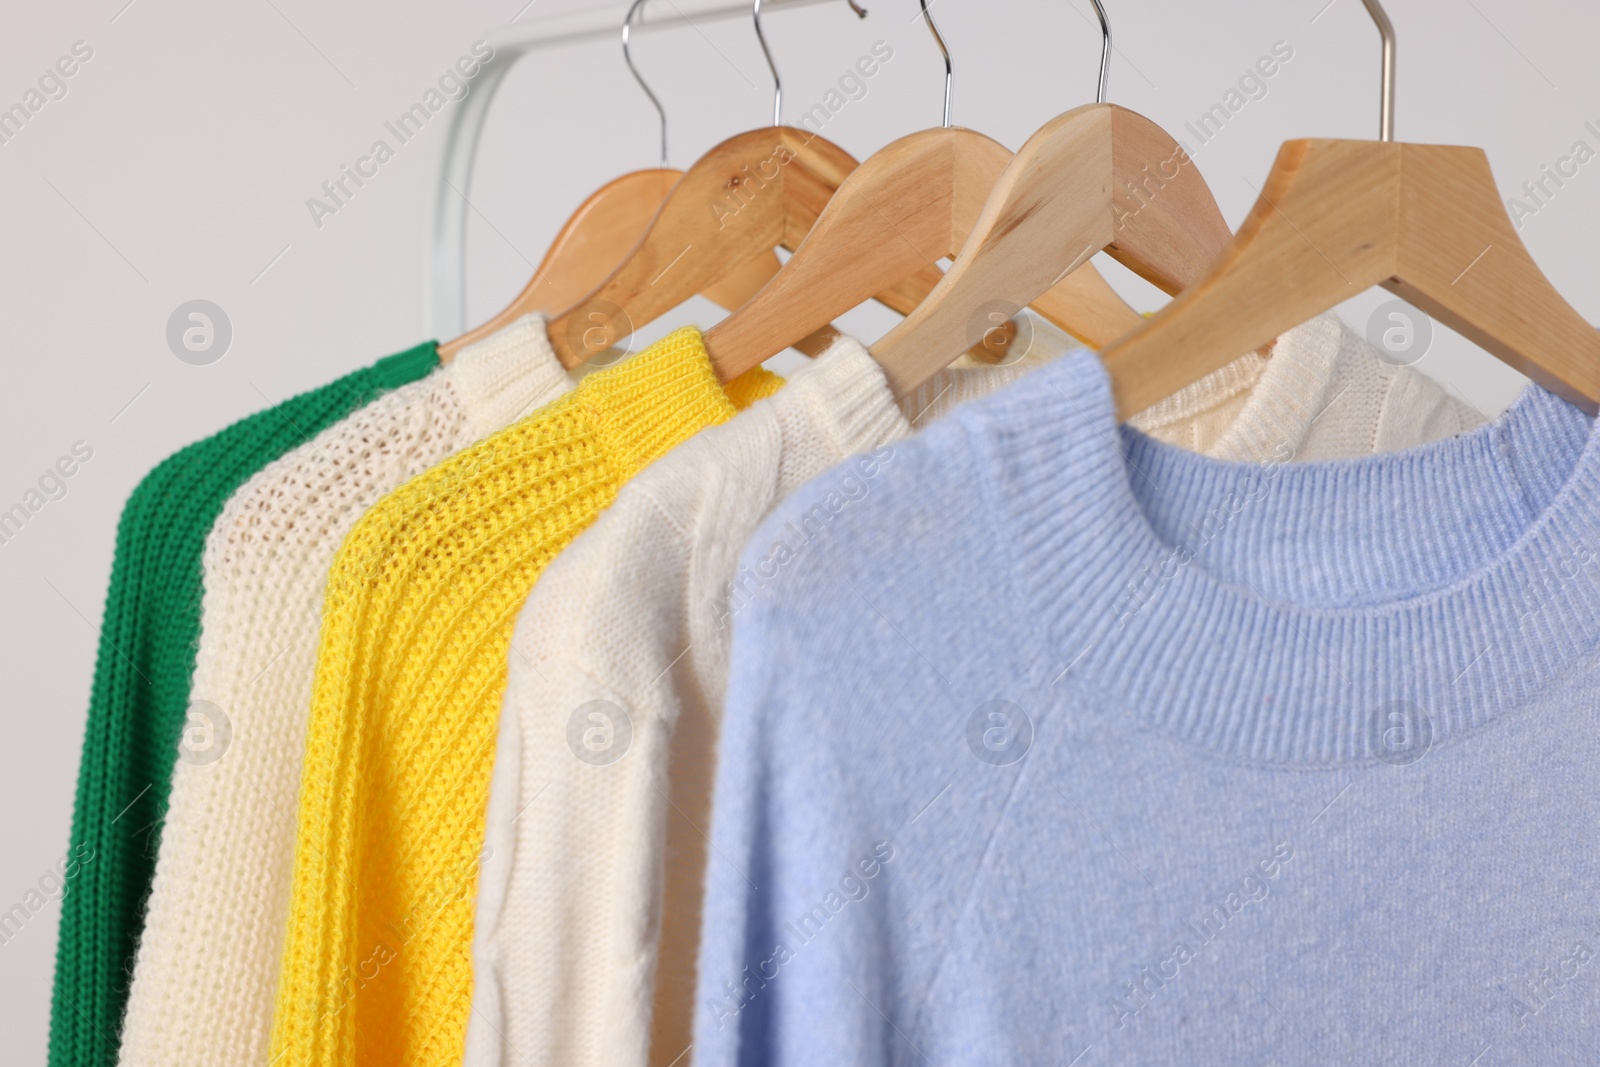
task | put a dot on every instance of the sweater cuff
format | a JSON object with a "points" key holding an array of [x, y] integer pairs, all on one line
{"points": [[508, 374]]}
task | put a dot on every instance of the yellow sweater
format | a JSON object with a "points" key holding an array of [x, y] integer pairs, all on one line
{"points": [[411, 667]]}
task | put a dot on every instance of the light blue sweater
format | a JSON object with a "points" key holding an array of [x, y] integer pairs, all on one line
{"points": [[1050, 744]]}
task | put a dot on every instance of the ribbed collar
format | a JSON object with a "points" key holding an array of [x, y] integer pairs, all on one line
{"points": [[653, 401], [507, 374], [831, 407], [1294, 388], [403, 368], [1273, 611], [1284, 394], [840, 404], [843, 399]]}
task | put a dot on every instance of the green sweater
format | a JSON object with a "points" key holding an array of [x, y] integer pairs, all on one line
{"points": [[138, 705]]}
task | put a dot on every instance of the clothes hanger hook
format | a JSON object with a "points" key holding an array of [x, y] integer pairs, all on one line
{"points": [[777, 83], [938, 38], [627, 55], [1105, 51], [1386, 32]]}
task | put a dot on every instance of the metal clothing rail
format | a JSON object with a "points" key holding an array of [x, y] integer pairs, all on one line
{"points": [[446, 281]]}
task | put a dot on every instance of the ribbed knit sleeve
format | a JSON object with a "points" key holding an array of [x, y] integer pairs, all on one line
{"points": [[410, 672], [137, 704], [213, 936]]}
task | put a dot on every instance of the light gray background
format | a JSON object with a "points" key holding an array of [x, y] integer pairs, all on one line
{"points": [[179, 163]]}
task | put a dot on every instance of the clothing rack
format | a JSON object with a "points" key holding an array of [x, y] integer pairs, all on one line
{"points": [[446, 281]]}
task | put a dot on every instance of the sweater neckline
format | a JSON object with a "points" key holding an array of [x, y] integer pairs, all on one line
{"points": [[646, 405], [508, 374], [1319, 612], [840, 404], [1283, 393], [847, 399]]}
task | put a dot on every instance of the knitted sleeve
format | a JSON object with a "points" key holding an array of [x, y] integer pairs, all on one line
{"points": [[608, 731], [823, 792], [208, 958], [141, 691], [411, 669], [568, 950]]}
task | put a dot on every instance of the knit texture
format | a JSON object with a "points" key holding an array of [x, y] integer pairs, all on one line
{"points": [[411, 668], [1065, 743], [587, 931], [1323, 388], [213, 936], [141, 690], [632, 616]]}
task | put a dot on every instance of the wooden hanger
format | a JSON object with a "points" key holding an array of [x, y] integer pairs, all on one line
{"points": [[907, 206], [1426, 222], [593, 241], [752, 193], [1099, 177], [603, 230]]}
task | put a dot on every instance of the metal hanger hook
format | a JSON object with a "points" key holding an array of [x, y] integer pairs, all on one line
{"points": [[777, 82], [949, 74], [627, 55], [1386, 96], [1105, 50]]}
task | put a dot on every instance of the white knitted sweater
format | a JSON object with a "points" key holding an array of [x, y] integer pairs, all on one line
{"points": [[206, 970], [1325, 391], [588, 907]]}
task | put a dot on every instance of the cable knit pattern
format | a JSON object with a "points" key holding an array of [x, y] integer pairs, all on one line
{"points": [[410, 672], [1323, 387], [208, 959], [141, 690], [592, 963]]}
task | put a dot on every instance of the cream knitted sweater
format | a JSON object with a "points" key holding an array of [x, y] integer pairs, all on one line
{"points": [[589, 897], [207, 965]]}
